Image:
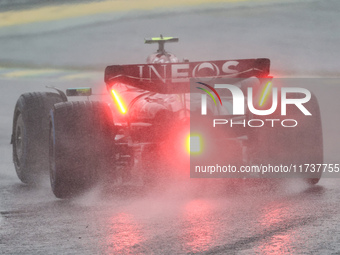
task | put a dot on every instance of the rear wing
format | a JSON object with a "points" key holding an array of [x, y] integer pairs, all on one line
{"points": [[175, 77]]}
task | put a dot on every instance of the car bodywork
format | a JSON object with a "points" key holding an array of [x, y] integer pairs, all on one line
{"points": [[149, 124], [153, 101]]}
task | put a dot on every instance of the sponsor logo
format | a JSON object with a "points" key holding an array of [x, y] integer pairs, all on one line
{"points": [[181, 72]]}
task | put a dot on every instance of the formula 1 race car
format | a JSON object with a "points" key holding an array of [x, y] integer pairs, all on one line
{"points": [[151, 119]]}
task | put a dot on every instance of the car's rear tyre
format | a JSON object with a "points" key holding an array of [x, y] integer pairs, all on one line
{"points": [[30, 134], [81, 145], [294, 146]]}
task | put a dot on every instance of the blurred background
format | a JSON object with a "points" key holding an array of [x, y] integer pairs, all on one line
{"points": [[69, 44]]}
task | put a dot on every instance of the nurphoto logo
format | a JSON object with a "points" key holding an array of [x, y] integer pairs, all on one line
{"points": [[241, 102]]}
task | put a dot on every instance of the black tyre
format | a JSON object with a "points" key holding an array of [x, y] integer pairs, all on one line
{"points": [[298, 145], [81, 145], [30, 134]]}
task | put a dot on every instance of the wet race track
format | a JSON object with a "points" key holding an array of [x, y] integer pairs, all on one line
{"points": [[189, 216]]}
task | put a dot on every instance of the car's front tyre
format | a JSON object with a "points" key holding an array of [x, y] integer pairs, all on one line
{"points": [[30, 134]]}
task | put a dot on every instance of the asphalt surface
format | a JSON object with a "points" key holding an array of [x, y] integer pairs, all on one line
{"points": [[190, 216]]}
